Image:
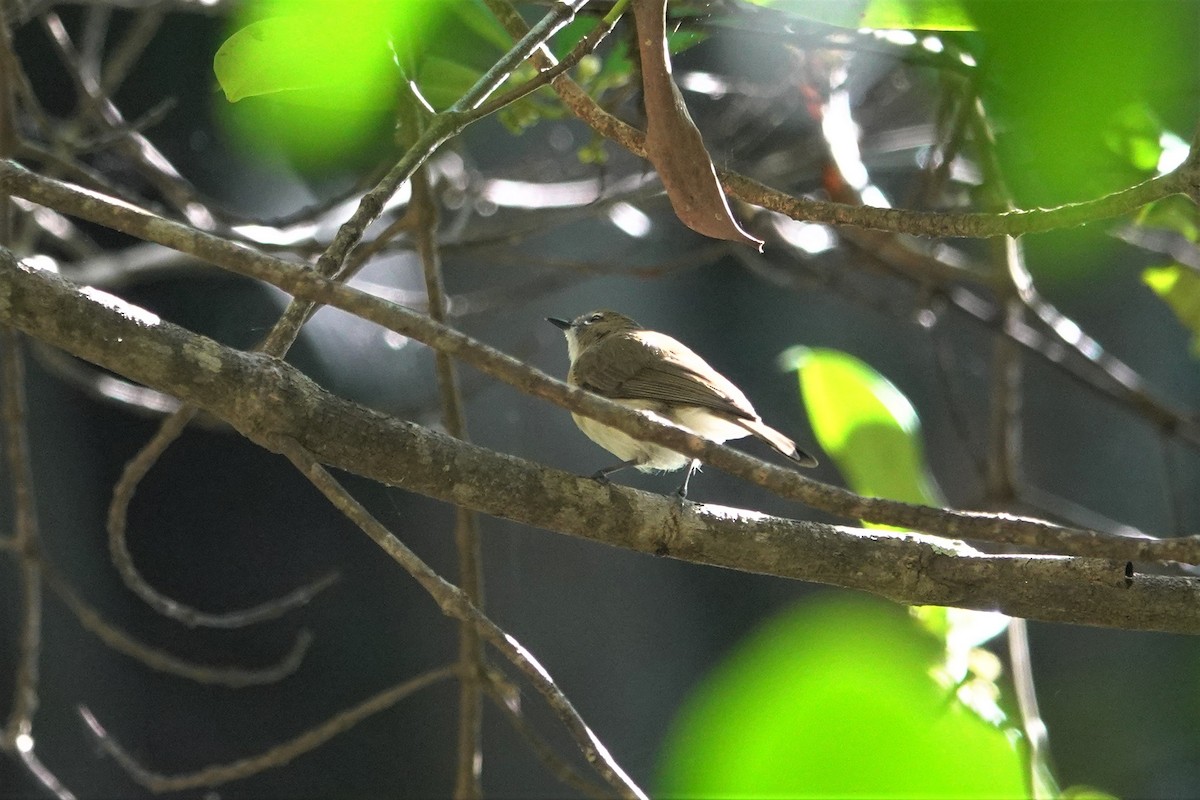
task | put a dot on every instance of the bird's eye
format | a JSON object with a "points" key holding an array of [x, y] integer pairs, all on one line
{"points": [[595, 318]]}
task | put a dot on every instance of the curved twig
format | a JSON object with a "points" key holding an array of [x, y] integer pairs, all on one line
{"points": [[277, 756], [135, 470]]}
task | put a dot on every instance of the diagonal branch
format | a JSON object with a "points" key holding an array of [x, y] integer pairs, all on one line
{"points": [[454, 603], [784, 482], [268, 400]]}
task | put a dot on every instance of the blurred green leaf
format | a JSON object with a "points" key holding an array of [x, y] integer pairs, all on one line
{"points": [[570, 35], [835, 699], [317, 82], [443, 81], [475, 17], [1136, 135], [873, 435], [1057, 74], [938, 15], [1174, 213], [1180, 288], [296, 46], [865, 424], [682, 38], [1086, 793]]}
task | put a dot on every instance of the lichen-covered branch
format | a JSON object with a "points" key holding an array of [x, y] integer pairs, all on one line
{"points": [[268, 400]]}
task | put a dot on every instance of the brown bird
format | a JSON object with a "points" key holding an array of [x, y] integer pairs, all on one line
{"points": [[617, 358]]}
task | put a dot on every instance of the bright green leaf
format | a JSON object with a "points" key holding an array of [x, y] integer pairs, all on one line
{"points": [[865, 424], [1180, 288], [344, 53], [835, 699], [317, 81], [938, 15], [873, 435], [1136, 135], [1055, 96]]}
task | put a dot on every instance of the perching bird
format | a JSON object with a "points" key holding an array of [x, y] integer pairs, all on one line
{"points": [[617, 358]]}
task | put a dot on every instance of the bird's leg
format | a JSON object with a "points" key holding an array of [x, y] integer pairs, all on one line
{"points": [[687, 476], [601, 475]]}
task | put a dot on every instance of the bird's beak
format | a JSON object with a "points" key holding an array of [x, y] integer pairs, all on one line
{"points": [[562, 323]]}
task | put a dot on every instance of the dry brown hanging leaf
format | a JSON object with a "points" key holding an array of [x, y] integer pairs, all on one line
{"points": [[673, 142]]}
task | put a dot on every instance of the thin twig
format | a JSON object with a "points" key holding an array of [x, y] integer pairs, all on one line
{"points": [[25, 540], [126, 53], [149, 160], [438, 129], [455, 604], [152, 657], [551, 760], [278, 756], [468, 773], [18, 728], [170, 429], [1041, 780], [784, 482], [1014, 287], [582, 48]]}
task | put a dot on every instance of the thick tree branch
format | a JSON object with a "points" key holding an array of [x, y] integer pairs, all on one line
{"points": [[303, 283], [267, 400]]}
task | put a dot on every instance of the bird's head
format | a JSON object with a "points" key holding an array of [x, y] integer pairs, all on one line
{"points": [[587, 329]]}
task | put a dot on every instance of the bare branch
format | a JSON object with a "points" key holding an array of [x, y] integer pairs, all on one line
{"points": [[268, 400], [469, 770], [135, 470], [454, 603], [918, 223], [156, 659], [277, 756], [554, 764], [784, 482], [24, 541]]}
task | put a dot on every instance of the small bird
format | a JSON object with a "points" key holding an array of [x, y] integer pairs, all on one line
{"points": [[617, 358]]}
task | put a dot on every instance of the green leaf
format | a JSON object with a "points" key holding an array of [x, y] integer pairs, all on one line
{"points": [[1175, 213], [1180, 288], [443, 81], [865, 424], [316, 82], [833, 699], [1055, 96], [873, 434], [475, 17], [937, 15], [344, 53], [1136, 135]]}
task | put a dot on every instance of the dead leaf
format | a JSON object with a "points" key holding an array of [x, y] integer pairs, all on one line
{"points": [[673, 142]]}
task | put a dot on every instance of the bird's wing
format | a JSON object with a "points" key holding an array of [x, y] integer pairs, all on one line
{"points": [[653, 366]]}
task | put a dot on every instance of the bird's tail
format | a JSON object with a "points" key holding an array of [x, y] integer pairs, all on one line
{"points": [[777, 440]]}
